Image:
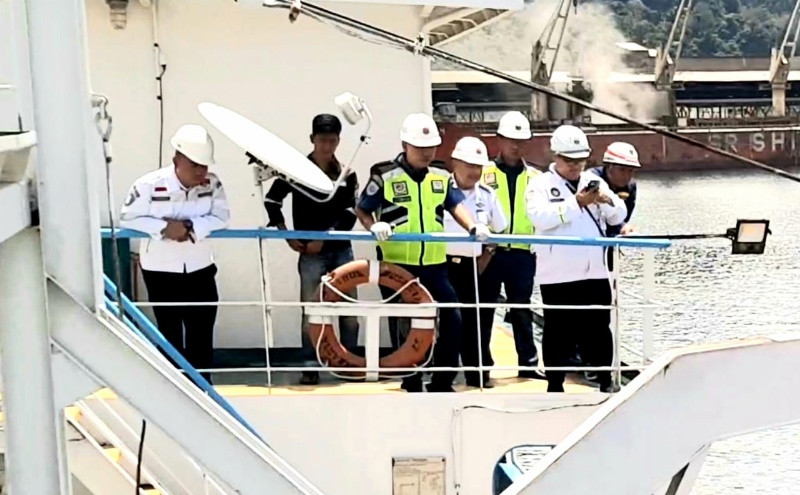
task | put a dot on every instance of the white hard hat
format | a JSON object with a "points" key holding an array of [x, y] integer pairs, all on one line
{"points": [[194, 142], [471, 150], [620, 153], [514, 125], [570, 142], [420, 130]]}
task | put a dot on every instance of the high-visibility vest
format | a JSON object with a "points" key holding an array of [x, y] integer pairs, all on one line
{"points": [[518, 221], [413, 207]]}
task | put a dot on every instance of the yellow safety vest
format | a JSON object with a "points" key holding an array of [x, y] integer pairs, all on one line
{"points": [[518, 221], [413, 207]]}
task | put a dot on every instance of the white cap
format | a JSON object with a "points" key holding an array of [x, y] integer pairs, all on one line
{"points": [[514, 125], [471, 150], [194, 142], [570, 142], [623, 154], [420, 130]]}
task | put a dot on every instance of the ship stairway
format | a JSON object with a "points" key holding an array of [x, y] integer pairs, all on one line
{"points": [[195, 441], [245, 464], [653, 436]]}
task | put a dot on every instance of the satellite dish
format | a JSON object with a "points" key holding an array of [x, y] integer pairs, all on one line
{"points": [[273, 152]]}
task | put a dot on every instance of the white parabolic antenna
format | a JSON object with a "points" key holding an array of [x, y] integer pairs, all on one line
{"points": [[273, 151]]}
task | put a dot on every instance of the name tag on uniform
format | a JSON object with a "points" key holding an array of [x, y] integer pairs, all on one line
{"points": [[206, 194]]}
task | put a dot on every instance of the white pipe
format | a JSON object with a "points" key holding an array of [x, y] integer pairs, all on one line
{"points": [[66, 170], [648, 313], [28, 403], [22, 62]]}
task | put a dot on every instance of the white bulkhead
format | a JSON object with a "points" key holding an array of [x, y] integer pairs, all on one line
{"points": [[255, 62]]}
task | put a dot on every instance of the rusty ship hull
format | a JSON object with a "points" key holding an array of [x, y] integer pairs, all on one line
{"points": [[777, 146]]}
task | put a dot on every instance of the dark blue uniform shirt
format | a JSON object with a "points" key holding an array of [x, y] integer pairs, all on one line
{"points": [[372, 195], [630, 200]]}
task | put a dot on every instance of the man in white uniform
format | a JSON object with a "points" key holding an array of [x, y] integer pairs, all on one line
{"points": [[178, 206], [566, 201], [469, 159]]}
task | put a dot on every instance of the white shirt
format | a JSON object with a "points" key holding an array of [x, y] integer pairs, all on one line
{"points": [[158, 196], [485, 207], [554, 210]]}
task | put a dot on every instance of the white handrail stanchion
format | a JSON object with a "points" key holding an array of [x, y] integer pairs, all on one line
{"points": [[615, 295], [648, 311]]}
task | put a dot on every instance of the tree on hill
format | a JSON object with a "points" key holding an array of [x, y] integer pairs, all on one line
{"points": [[717, 28]]}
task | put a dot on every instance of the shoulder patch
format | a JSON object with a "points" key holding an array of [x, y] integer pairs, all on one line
{"points": [[372, 188]]}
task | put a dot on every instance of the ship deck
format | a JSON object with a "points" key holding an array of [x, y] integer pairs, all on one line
{"points": [[286, 383]]}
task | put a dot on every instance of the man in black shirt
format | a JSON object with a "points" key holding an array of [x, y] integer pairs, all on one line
{"points": [[319, 257]]}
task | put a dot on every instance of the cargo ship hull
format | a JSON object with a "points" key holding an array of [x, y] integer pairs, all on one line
{"points": [[775, 146]]}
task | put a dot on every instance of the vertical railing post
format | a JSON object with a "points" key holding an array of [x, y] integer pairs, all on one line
{"points": [[648, 313], [615, 315], [266, 309]]}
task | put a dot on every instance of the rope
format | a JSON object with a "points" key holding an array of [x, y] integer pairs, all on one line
{"points": [[316, 12]]}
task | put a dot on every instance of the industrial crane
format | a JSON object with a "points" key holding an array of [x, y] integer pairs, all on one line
{"points": [[547, 47], [780, 62], [667, 56]]}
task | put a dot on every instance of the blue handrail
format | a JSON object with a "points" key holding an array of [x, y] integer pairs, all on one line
{"points": [[309, 235], [150, 332]]}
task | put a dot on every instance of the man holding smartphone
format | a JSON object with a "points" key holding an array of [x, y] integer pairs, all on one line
{"points": [[567, 201]]}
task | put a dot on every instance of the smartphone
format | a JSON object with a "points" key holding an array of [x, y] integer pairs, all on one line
{"points": [[593, 184]]}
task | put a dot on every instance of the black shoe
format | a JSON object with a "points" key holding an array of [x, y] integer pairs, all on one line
{"points": [[309, 378], [474, 381], [609, 388], [434, 387], [412, 385], [555, 387], [531, 374]]}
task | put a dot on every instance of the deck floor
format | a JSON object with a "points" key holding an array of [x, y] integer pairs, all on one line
{"points": [[286, 383]]}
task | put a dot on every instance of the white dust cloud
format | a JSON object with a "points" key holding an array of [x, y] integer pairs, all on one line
{"points": [[588, 50]]}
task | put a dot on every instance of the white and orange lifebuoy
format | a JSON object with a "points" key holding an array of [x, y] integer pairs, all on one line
{"points": [[420, 338]]}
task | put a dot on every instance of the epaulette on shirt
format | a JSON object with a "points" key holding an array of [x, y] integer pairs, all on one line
{"points": [[485, 188], [380, 168], [438, 164]]}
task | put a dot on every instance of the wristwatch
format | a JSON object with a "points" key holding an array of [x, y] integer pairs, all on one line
{"points": [[188, 224]]}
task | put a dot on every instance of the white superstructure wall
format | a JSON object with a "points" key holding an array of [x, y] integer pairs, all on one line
{"points": [[254, 61]]}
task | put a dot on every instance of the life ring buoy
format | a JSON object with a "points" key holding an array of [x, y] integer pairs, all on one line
{"points": [[349, 276]]}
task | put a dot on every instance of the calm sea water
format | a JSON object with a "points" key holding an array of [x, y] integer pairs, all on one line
{"points": [[715, 296]]}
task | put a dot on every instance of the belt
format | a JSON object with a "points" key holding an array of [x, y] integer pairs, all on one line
{"points": [[507, 248], [460, 259]]}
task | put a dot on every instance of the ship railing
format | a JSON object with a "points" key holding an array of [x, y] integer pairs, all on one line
{"points": [[373, 310]]}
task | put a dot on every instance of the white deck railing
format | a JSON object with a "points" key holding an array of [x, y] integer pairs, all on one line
{"points": [[373, 310]]}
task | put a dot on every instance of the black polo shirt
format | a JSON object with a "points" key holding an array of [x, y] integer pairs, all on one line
{"points": [[307, 214]]}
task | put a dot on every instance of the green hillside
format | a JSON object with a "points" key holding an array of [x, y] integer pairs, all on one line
{"points": [[717, 27]]}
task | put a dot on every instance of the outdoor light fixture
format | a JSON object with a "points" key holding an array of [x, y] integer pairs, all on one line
{"points": [[749, 236], [118, 13]]}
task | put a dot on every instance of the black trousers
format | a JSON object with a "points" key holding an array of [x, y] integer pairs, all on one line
{"points": [[448, 341], [588, 329], [514, 268], [197, 344], [461, 271]]}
